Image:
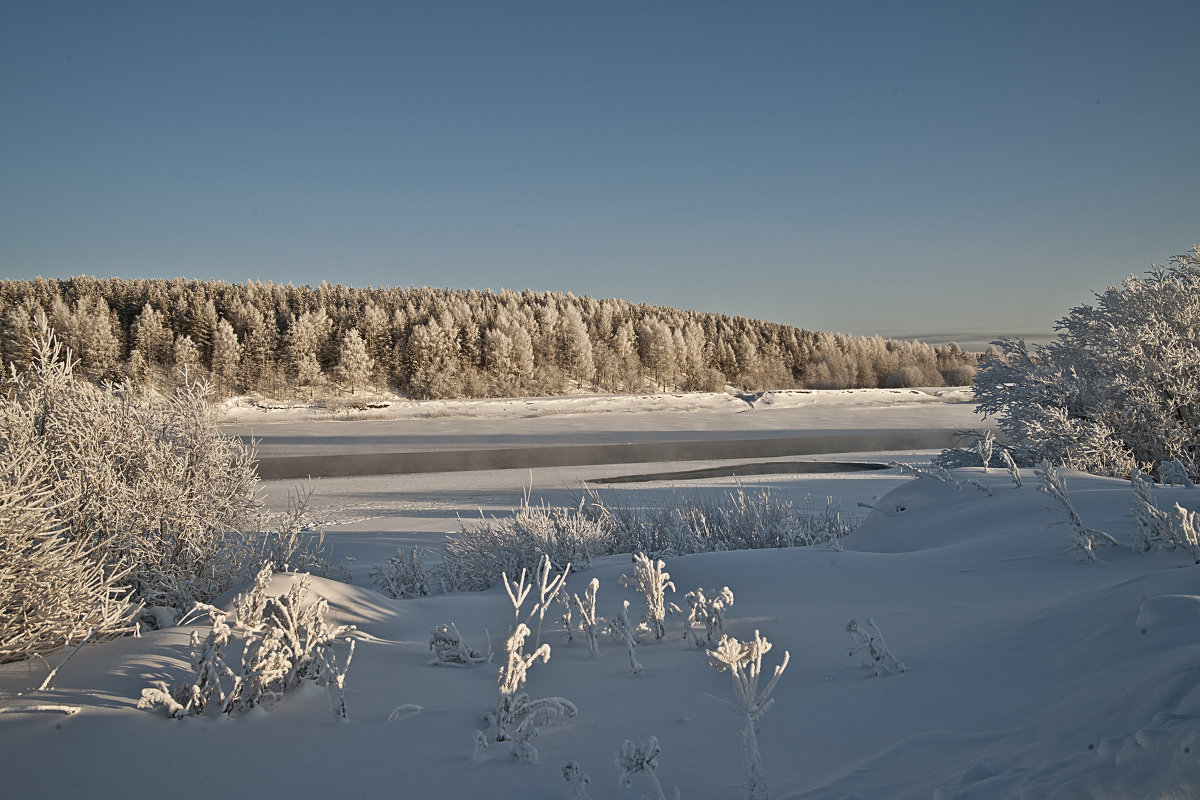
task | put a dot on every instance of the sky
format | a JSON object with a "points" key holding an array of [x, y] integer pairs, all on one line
{"points": [[863, 167]]}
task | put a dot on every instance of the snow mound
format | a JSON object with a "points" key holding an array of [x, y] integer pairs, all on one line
{"points": [[1028, 674]]}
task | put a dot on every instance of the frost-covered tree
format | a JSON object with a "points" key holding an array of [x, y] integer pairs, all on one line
{"points": [[1119, 387], [354, 365], [226, 357]]}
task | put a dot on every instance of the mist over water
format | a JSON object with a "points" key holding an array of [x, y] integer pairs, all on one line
{"points": [[281, 467]]}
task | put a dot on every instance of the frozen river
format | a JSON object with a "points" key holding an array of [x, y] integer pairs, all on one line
{"points": [[522, 434]]}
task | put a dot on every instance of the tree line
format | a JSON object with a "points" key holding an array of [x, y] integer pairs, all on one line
{"points": [[299, 341]]}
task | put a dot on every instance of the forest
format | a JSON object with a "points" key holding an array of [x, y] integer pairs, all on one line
{"points": [[286, 341]]}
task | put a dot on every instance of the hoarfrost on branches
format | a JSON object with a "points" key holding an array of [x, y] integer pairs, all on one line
{"points": [[1014, 471], [145, 484]]}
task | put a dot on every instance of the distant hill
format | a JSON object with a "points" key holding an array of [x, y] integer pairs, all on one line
{"points": [[284, 340]]}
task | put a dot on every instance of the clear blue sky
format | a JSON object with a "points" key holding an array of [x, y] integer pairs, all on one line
{"points": [[843, 166]]}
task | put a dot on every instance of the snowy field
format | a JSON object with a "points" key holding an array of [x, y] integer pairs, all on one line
{"points": [[1027, 673]]}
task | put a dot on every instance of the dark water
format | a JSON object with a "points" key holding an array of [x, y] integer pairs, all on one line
{"points": [[760, 468], [574, 455]]}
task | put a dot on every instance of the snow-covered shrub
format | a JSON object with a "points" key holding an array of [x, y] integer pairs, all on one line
{"points": [[650, 579], [450, 650], [475, 558], [869, 644], [707, 613], [250, 606], [1173, 473], [738, 520], [212, 677], [698, 523], [145, 483], [548, 589], [1054, 484], [291, 642], [402, 575], [744, 662], [53, 589], [517, 718], [1118, 388], [288, 545], [1157, 528]]}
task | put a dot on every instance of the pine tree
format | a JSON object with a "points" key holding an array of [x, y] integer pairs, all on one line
{"points": [[226, 357], [354, 365]]}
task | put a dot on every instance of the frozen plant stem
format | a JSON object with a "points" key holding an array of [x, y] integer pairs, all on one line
{"points": [[869, 641], [623, 629], [640, 759], [1051, 482], [744, 662]]}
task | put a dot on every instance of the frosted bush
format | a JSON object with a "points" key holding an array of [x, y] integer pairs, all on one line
{"points": [[289, 641], [652, 581], [517, 718], [983, 446], [869, 644], [577, 782], [706, 613], [1157, 528], [145, 483], [451, 650], [402, 575], [1173, 473], [53, 589], [476, 558], [744, 662], [1084, 540]]}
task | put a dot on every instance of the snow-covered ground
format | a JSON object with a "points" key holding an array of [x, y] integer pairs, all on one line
{"points": [[1028, 673]]}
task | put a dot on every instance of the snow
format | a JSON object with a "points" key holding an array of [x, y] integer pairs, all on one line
{"points": [[1028, 673]]}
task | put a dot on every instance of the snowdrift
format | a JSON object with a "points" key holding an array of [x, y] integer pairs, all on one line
{"points": [[1028, 674]]}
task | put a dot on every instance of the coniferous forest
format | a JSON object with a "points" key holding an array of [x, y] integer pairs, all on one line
{"points": [[286, 341]]}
